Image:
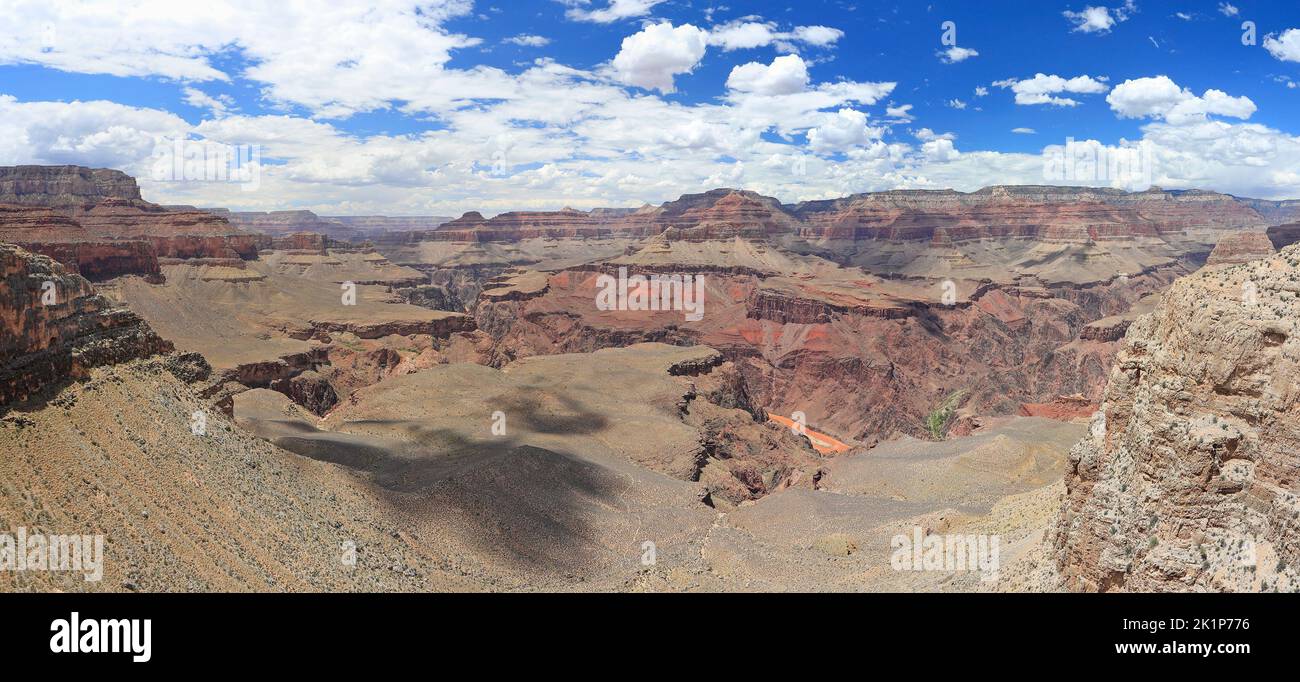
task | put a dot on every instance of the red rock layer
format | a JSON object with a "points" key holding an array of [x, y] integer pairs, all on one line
{"points": [[44, 231], [1046, 213], [173, 234], [1240, 247], [54, 327]]}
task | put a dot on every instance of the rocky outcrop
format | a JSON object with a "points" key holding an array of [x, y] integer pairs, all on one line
{"points": [[55, 327], [1107, 329], [1275, 212], [64, 187], [284, 223], [1240, 247], [49, 233], [441, 327], [1282, 236], [173, 234], [309, 390], [784, 307], [1057, 214], [304, 241], [369, 224], [107, 206], [1187, 478]]}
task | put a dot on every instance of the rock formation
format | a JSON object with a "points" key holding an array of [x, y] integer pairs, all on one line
{"points": [[55, 327], [47, 232], [1186, 479], [1240, 247]]}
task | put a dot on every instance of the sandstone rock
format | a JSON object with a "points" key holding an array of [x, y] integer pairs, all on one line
{"points": [[54, 327], [1187, 479], [1240, 247], [309, 390]]}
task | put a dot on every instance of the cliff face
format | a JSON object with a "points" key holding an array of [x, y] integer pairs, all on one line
{"points": [[1187, 478], [284, 223], [64, 187], [1240, 247], [44, 231], [1275, 212], [53, 326], [1060, 214], [173, 234], [94, 221]]}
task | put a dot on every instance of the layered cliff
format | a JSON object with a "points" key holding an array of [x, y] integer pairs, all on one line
{"points": [[173, 234], [1240, 247], [64, 187], [1188, 478], [107, 205], [47, 232], [54, 327]]}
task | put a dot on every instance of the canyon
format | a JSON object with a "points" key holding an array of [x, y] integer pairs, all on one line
{"points": [[1096, 376]]}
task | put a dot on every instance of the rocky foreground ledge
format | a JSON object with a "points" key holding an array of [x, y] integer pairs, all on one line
{"points": [[1185, 480]]}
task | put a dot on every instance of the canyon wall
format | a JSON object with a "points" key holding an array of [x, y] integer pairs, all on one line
{"points": [[1185, 480], [95, 222], [55, 327]]}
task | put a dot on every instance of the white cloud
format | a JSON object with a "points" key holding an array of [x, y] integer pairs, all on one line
{"points": [[940, 150], [981, 91], [1227, 9], [197, 98], [956, 54], [1162, 98], [1024, 131], [339, 59], [1043, 88], [651, 58], [841, 131], [786, 75], [902, 112], [614, 11], [1099, 19], [817, 35], [956, 104], [749, 33], [1286, 47], [526, 40], [96, 133]]}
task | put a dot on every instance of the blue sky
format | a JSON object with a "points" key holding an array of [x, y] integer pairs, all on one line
{"points": [[448, 105]]}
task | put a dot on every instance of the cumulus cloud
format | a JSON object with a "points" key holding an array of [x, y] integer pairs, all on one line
{"points": [[339, 59], [956, 54], [1227, 9], [95, 133], [841, 131], [1160, 97], [1099, 19], [749, 33], [1285, 47], [784, 76], [579, 10], [197, 98], [526, 40], [901, 112], [652, 58], [1044, 88]]}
